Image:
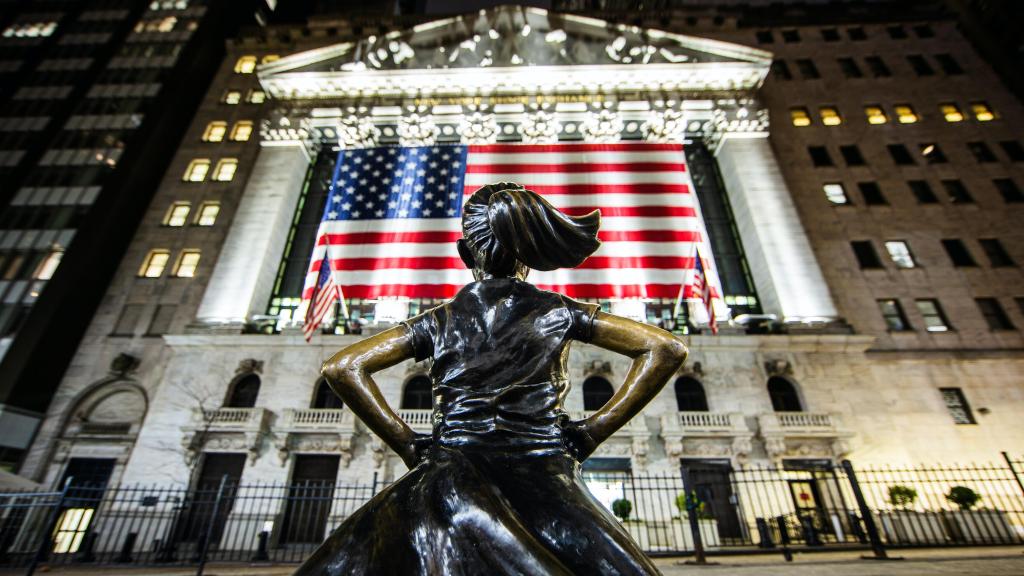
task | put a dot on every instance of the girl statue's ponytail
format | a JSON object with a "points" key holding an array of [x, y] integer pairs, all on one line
{"points": [[504, 225]]}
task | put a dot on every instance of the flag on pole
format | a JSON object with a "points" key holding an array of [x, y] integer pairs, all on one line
{"points": [[699, 290], [325, 292], [393, 215]]}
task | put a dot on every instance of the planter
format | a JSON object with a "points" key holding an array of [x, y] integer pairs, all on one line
{"points": [[910, 527], [637, 530], [980, 526], [684, 536]]}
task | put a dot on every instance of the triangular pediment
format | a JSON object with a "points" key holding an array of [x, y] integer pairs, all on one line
{"points": [[513, 42]]}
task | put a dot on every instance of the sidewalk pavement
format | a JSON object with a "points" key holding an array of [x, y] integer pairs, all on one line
{"points": [[995, 561]]}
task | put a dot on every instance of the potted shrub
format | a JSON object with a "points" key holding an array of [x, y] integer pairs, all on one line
{"points": [[906, 526], [622, 508], [706, 522], [976, 526]]}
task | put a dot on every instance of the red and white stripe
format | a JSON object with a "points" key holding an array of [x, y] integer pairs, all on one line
{"points": [[650, 223], [320, 306]]}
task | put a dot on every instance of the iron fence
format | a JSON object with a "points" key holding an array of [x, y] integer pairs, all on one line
{"points": [[706, 507]]}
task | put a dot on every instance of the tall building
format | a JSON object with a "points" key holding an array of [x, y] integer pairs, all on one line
{"points": [[858, 174], [93, 106]]}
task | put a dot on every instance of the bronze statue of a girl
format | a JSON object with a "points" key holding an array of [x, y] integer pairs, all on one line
{"points": [[497, 488]]}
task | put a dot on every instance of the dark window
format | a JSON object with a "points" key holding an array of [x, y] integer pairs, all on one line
{"points": [[324, 397], [924, 31], [765, 37], [998, 257], [781, 71], [922, 191], [199, 520], [856, 34], [783, 395], [920, 65], [931, 312], [790, 36], [878, 67], [866, 255], [1014, 151], [900, 154], [1020, 304], [244, 392], [933, 153], [949, 64], [851, 155], [871, 192], [596, 393], [690, 395], [128, 320], [958, 193], [982, 153], [994, 314], [893, 314], [161, 321], [850, 68], [830, 35], [957, 405], [819, 156], [418, 394], [309, 500], [896, 32], [807, 69], [1009, 189], [958, 253]]}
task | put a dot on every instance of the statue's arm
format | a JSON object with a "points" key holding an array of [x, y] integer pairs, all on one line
{"points": [[656, 355], [349, 374]]}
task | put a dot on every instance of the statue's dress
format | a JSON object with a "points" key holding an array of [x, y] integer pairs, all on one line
{"points": [[498, 492]]}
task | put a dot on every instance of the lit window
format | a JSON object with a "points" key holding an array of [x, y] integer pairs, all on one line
{"points": [[241, 130], [177, 215], [197, 170], [30, 30], [245, 65], [154, 264], [232, 97], [934, 319], [830, 116], [257, 97], [270, 58], [225, 170], [951, 113], [208, 212], [905, 114], [215, 131], [800, 116], [876, 115], [835, 193], [187, 263], [49, 265], [982, 113], [900, 254]]}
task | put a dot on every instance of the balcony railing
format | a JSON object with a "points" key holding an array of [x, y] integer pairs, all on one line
{"points": [[704, 420], [227, 418], [800, 424], [318, 420], [417, 419], [805, 420]]}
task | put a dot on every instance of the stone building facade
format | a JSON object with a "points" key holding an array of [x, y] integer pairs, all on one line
{"points": [[831, 354]]}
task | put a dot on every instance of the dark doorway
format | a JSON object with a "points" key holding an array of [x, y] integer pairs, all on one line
{"points": [[244, 392], [690, 395], [89, 478], [596, 393], [711, 480], [204, 496], [324, 397], [783, 395], [309, 498], [418, 394]]}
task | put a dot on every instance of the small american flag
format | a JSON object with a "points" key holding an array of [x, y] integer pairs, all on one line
{"points": [[699, 291], [325, 292], [393, 215]]}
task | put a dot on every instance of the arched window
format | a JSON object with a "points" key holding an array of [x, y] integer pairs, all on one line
{"points": [[418, 394], [783, 395], [596, 393], [244, 392], [690, 395], [324, 397]]}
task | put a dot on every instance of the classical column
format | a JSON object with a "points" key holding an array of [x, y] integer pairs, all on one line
{"points": [[789, 281], [243, 277]]}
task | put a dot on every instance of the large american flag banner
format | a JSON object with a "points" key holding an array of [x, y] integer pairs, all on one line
{"points": [[393, 215]]}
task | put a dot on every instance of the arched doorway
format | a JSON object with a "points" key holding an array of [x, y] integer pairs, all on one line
{"points": [[596, 393], [418, 394], [243, 392], [690, 395], [784, 395]]}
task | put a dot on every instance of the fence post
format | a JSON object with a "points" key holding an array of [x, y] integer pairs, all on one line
{"points": [[1016, 476], [51, 522], [691, 511], [209, 529], [866, 515]]}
